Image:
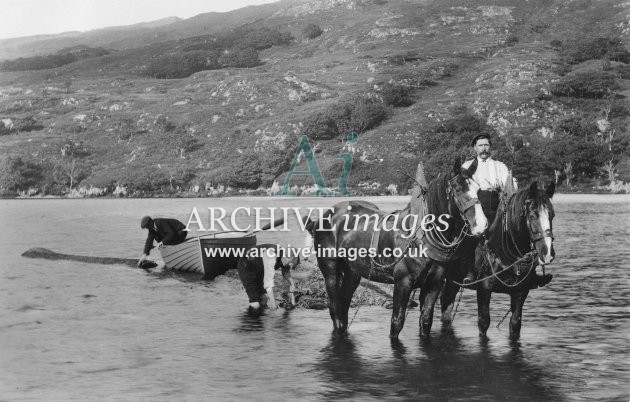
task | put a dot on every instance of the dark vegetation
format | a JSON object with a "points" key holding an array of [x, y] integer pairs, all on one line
{"points": [[311, 31], [62, 57], [355, 114], [586, 85], [237, 48], [580, 50]]}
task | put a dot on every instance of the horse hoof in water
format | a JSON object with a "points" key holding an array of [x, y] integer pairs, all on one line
{"points": [[254, 309]]}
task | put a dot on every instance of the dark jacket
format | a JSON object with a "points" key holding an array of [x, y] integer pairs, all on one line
{"points": [[169, 232]]}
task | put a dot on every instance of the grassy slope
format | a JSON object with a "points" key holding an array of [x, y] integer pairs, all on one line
{"points": [[232, 112]]}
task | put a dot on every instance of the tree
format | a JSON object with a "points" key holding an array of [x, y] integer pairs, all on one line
{"points": [[17, 174], [610, 171], [70, 172]]}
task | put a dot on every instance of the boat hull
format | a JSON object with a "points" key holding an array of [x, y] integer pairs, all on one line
{"points": [[195, 254]]}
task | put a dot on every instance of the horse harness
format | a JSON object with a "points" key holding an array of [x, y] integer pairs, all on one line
{"points": [[438, 247], [520, 260]]}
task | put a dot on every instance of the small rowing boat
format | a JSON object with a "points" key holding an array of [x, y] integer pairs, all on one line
{"points": [[207, 254]]}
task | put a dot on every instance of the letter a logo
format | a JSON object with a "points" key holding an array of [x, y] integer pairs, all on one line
{"points": [[313, 171]]}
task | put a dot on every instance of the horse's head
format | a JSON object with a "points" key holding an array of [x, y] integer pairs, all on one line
{"points": [[463, 190], [539, 215]]}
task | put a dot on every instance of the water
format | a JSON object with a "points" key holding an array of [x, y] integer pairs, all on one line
{"points": [[74, 331]]}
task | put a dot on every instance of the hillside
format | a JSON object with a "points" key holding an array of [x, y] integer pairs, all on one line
{"points": [[415, 80]]}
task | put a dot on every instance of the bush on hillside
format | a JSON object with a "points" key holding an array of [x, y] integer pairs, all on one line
{"points": [[357, 114], [12, 125], [240, 57], [260, 38], [311, 31], [17, 174], [365, 114], [577, 51], [396, 95], [181, 65], [622, 71], [585, 85], [320, 126], [580, 128], [511, 40], [37, 62], [63, 57], [254, 170], [463, 123], [144, 178]]}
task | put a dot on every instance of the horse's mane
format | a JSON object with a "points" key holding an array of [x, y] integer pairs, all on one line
{"points": [[516, 207], [436, 195]]}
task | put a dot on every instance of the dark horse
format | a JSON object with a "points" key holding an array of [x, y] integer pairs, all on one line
{"points": [[520, 238], [340, 230]]}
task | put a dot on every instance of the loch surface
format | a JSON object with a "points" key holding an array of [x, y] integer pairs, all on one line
{"points": [[77, 331]]}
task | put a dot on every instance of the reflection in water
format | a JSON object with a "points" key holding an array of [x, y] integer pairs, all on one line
{"points": [[251, 322], [445, 368]]}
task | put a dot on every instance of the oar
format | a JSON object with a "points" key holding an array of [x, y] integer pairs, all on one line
{"points": [[39, 252], [270, 225]]}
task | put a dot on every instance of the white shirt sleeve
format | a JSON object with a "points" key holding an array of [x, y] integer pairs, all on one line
{"points": [[503, 174], [268, 278]]}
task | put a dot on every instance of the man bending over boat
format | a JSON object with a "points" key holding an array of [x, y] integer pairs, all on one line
{"points": [[163, 230]]}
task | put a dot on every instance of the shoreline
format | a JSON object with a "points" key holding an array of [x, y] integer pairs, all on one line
{"points": [[239, 196]]}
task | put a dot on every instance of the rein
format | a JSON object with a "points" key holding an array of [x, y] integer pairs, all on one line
{"points": [[437, 240], [511, 250]]}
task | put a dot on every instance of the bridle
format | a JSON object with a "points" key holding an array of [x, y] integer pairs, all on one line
{"points": [[435, 237], [513, 250], [462, 206], [535, 235]]}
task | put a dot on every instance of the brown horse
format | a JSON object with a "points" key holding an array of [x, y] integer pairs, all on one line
{"points": [[520, 238], [450, 199]]}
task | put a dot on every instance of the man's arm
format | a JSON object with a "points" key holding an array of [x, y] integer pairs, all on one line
{"points": [[148, 245], [506, 181]]}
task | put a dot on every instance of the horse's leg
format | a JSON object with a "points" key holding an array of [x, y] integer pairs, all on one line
{"points": [[483, 310], [332, 279], [428, 295], [402, 290], [517, 301], [447, 301], [349, 283], [286, 274]]}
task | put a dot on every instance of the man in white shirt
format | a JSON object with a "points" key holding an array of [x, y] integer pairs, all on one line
{"points": [[493, 178]]}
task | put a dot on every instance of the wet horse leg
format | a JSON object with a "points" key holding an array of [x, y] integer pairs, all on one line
{"points": [[402, 290], [349, 283], [447, 301], [428, 295], [483, 311], [340, 283], [517, 301]]}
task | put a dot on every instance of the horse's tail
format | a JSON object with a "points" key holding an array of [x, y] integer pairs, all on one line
{"points": [[313, 224], [310, 225]]}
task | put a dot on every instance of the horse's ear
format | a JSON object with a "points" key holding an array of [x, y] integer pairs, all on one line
{"points": [[533, 190], [457, 166], [551, 189], [472, 168]]}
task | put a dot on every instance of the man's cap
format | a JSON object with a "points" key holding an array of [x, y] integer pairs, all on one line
{"points": [[145, 221], [480, 136]]}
